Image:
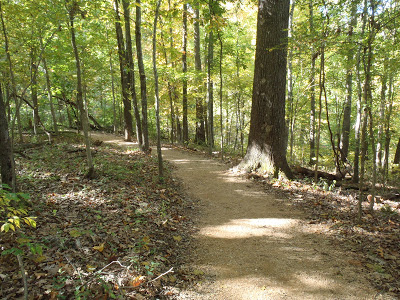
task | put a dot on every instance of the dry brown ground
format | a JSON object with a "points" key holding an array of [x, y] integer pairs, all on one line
{"points": [[253, 245]]}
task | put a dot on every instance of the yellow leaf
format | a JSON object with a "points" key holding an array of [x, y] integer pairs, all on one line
{"points": [[90, 268], [198, 272], [146, 239], [177, 238], [99, 248], [39, 258], [75, 233]]}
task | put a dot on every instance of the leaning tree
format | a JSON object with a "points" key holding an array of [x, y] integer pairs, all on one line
{"points": [[266, 150]]}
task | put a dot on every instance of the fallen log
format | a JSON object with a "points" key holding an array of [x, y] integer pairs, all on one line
{"points": [[311, 173]]}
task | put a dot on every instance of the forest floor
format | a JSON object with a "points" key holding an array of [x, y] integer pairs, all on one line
{"points": [[125, 235]]}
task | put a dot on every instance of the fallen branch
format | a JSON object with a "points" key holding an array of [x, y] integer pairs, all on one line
{"points": [[163, 274]]}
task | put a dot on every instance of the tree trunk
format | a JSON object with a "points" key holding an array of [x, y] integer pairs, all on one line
{"points": [[184, 83], [143, 87], [210, 84], [266, 150], [290, 82], [159, 155], [79, 95], [48, 87], [6, 153], [131, 71], [312, 89], [220, 95], [34, 94], [345, 135], [123, 65], [200, 130]]}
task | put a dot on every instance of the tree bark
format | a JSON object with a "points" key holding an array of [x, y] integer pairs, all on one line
{"points": [[79, 92], [184, 83], [312, 89], [6, 153], [131, 71], [345, 135], [159, 155], [123, 65], [266, 150], [48, 87], [143, 87], [210, 84], [200, 130]]}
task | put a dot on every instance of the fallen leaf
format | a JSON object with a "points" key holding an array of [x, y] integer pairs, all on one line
{"points": [[75, 233], [99, 248], [177, 238], [137, 281]]}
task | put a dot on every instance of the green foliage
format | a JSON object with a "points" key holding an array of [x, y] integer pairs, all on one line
{"points": [[13, 212]]}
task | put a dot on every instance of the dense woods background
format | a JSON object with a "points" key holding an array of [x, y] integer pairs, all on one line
{"points": [[183, 72], [341, 83]]}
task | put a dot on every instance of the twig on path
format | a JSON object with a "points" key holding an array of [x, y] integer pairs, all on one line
{"points": [[158, 277]]}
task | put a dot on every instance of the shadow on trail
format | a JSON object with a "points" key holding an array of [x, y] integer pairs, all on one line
{"points": [[254, 246]]}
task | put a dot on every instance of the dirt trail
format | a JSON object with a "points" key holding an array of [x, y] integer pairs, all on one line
{"points": [[251, 245]]}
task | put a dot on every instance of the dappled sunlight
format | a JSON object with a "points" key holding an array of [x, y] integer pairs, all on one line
{"points": [[312, 282], [244, 228]]}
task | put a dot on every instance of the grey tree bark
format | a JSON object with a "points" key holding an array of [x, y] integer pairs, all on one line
{"points": [[142, 74], [266, 150]]}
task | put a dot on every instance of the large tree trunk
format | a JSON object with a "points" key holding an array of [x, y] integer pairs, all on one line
{"points": [[291, 117], [131, 72], [142, 74], [6, 154], [79, 95], [124, 77], [184, 83], [266, 150], [200, 130]]}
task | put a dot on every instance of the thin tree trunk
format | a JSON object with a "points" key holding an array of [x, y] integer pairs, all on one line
{"points": [[312, 89], [79, 99], [200, 130], [143, 87], [345, 135], [220, 96], [210, 86], [48, 87], [131, 72], [34, 94], [184, 83], [159, 155]]}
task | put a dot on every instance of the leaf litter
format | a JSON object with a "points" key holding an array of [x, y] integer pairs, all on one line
{"points": [[375, 240], [122, 235]]}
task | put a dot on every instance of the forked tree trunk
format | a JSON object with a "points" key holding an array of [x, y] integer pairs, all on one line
{"points": [[131, 71], [266, 150], [124, 77]]}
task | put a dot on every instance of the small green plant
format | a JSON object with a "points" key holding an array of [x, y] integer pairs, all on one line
{"points": [[12, 210]]}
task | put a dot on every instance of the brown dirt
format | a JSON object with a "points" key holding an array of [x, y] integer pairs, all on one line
{"points": [[254, 245]]}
